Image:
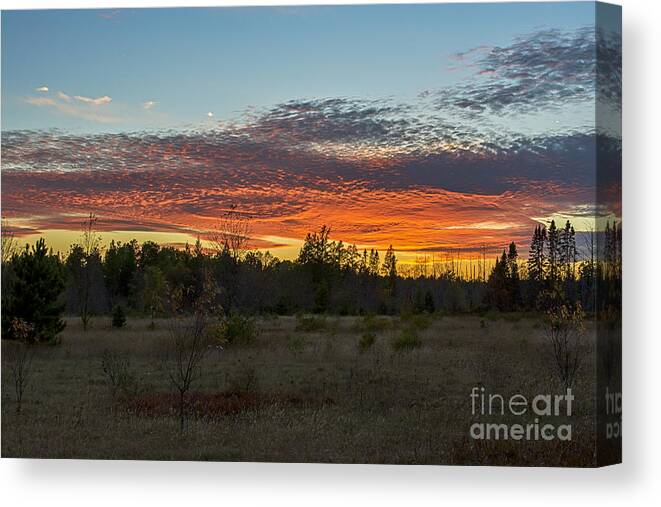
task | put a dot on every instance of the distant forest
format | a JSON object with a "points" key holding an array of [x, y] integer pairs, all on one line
{"points": [[326, 277]]}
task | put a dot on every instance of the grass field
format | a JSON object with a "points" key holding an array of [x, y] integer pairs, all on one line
{"points": [[322, 389]]}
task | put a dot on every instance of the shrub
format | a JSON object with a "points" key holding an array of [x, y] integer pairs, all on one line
{"points": [[366, 341], [236, 329], [372, 324], [407, 339], [564, 333], [295, 343], [419, 322], [118, 316], [492, 315], [244, 379], [310, 323], [118, 376]]}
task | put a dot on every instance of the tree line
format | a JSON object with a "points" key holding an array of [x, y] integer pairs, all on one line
{"points": [[327, 276]]}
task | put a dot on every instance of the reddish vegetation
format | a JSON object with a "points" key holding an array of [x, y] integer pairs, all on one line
{"points": [[213, 405]]}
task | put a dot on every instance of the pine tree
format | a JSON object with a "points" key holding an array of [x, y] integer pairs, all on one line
{"points": [[35, 299], [513, 276], [351, 261], [504, 281], [568, 253], [498, 293], [364, 263], [553, 254], [389, 270], [374, 262], [537, 257]]}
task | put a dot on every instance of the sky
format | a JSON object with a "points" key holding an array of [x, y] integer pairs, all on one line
{"points": [[428, 127]]}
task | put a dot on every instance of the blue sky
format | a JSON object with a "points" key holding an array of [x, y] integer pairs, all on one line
{"points": [[226, 60]]}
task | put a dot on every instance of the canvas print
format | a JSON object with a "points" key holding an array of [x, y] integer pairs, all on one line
{"points": [[384, 234]]}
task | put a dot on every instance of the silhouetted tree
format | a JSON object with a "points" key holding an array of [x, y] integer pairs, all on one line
{"points": [[86, 270], [568, 252], [119, 269], [389, 271], [514, 280], [498, 283], [554, 255], [232, 233], [504, 281], [537, 261], [9, 249], [373, 264], [319, 256], [330, 276]]}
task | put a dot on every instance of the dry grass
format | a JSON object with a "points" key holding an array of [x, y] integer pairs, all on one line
{"points": [[297, 393]]}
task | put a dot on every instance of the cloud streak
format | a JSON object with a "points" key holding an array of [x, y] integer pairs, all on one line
{"points": [[99, 101], [77, 106], [539, 71]]}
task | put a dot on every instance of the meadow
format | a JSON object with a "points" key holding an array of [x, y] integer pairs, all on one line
{"points": [[376, 389]]}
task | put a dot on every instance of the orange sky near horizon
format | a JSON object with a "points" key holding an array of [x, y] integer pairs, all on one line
{"points": [[418, 222]]}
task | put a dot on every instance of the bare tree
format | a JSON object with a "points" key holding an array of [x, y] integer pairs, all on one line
{"points": [[82, 260], [9, 243], [9, 249], [18, 358], [232, 233], [564, 333], [115, 367], [190, 341], [90, 239]]}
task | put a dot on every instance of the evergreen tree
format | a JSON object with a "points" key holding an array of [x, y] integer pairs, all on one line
{"points": [[568, 252], [498, 284], [504, 281], [39, 281], [537, 258], [363, 268], [513, 276], [320, 256], [553, 254], [316, 248], [351, 261], [389, 270], [373, 266]]}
